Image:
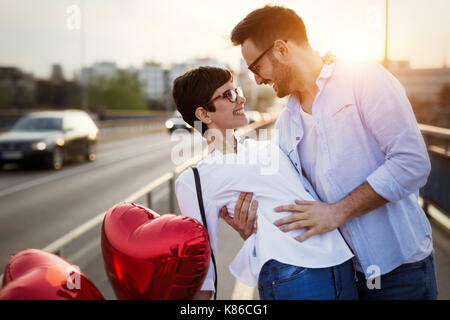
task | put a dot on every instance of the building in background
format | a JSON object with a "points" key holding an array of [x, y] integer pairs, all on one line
{"points": [[178, 69], [428, 90], [422, 84], [152, 77], [56, 92], [155, 80], [99, 69], [17, 89]]}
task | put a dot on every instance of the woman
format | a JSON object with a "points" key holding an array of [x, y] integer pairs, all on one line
{"points": [[283, 268]]}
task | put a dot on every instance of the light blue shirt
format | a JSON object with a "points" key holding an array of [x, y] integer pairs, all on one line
{"points": [[367, 132]]}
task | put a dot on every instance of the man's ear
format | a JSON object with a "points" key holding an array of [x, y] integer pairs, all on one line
{"points": [[202, 114], [281, 50]]}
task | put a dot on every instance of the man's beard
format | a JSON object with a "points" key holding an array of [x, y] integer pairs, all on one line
{"points": [[282, 77]]}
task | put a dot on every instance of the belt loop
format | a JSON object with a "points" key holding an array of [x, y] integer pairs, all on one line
{"points": [[274, 269], [333, 278], [338, 270], [354, 271]]}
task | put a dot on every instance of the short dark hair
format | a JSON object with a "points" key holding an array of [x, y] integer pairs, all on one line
{"points": [[265, 25], [195, 89]]}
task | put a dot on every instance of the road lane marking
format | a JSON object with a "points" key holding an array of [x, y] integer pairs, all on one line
{"points": [[115, 144], [60, 175], [81, 253]]}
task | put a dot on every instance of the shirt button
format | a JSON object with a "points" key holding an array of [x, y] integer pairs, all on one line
{"points": [[296, 164]]}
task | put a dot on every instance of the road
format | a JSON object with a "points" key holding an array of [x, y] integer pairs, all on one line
{"points": [[39, 206]]}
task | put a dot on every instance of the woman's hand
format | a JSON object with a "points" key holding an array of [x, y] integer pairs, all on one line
{"points": [[244, 220], [329, 58]]}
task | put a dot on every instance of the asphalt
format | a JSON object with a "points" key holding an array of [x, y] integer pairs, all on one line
{"points": [[39, 206]]}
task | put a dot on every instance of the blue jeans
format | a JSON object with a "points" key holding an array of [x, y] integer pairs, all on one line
{"points": [[279, 281], [410, 281]]}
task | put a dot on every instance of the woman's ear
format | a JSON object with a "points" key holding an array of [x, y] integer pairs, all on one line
{"points": [[202, 115]]}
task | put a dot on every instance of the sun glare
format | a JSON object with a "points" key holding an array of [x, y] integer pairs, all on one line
{"points": [[352, 53]]}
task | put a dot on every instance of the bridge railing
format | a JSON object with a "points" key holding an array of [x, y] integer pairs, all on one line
{"points": [[58, 245], [436, 191]]}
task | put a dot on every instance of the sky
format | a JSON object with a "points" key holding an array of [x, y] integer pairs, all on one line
{"points": [[34, 34]]}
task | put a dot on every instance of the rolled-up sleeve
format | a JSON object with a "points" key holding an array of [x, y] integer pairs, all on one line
{"points": [[387, 113]]}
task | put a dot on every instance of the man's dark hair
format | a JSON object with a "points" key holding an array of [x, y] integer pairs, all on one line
{"points": [[265, 25], [195, 89]]}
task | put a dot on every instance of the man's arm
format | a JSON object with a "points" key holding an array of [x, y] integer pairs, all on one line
{"points": [[320, 217], [387, 114]]}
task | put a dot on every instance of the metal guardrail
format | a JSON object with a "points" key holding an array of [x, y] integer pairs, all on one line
{"points": [[58, 245], [111, 128], [436, 138], [435, 194]]}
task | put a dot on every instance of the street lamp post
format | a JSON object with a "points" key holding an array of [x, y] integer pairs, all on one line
{"points": [[84, 97], [386, 40]]}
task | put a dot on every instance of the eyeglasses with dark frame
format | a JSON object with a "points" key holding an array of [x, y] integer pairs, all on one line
{"points": [[251, 67], [230, 94]]}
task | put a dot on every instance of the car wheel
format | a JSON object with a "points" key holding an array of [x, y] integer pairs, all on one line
{"points": [[90, 152], [56, 159]]}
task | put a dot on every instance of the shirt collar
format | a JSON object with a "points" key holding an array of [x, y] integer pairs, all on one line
{"points": [[327, 70]]}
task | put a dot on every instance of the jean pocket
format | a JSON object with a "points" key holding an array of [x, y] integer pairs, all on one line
{"points": [[289, 273], [261, 292]]}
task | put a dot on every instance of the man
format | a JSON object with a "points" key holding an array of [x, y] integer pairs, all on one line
{"points": [[350, 131]]}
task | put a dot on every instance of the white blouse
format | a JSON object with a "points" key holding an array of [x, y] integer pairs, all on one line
{"points": [[262, 168]]}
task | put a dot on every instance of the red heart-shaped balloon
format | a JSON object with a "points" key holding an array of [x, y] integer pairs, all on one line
{"points": [[152, 256], [34, 274]]}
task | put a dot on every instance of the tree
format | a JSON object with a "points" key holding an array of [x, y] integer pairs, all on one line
{"points": [[6, 99], [122, 91]]}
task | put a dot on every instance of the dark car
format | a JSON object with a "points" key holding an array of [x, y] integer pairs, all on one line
{"points": [[177, 122], [50, 138]]}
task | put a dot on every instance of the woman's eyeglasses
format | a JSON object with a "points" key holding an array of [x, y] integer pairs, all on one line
{"points": [[230, 94]]}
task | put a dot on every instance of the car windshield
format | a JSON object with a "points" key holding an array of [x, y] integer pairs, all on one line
{"points": [[37, 124]]}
